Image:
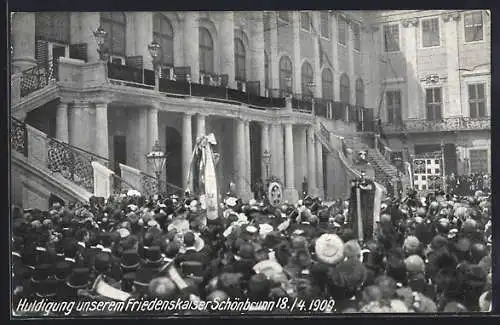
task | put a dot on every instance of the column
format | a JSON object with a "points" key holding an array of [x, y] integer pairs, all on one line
{"points": [[143, 28], [227, 47], [101, 135], [451, 36], [350, 55], [277, 159], [319, 168], [191, 46], [311, 168], [239, 157], [248, 162], [297, 80], [90, 21], [315, 15], [301, 162], [412, 82], [335, 56], [290, 194], [62, 131], [257, 57], [152, 117], [274, 79], [187, 148], [265, 146], [200, 125], [23, 41], [79, 135]]}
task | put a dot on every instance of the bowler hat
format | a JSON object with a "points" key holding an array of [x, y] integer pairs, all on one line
{"points": [[79, 278], [102, 262], [62, 270], [153, 255]]}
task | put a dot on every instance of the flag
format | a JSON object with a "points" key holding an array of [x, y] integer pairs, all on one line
{"points": [[371, 196], [410, 173], [381, 132]]}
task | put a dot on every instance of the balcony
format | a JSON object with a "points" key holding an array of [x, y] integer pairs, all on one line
{"points": [[447, 124]]}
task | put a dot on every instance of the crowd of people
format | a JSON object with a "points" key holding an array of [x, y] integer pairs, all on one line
{"points": [[427, 254]]}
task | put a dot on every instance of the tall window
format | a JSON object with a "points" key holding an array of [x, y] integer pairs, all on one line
{"points": [[206, 51], [391, 38], [285, 73], [477, 100], [115, 24], [345, 91], [163, 33], [284, 15], [342, 25], [473, 25], [53, 26], [307, 78], [266, 70], [478, 160], [325, 24], [430, 32], [240, 60], [393, 105], [360, 93], [433, 103], [305, 20], [327, 84], [356, 33]]}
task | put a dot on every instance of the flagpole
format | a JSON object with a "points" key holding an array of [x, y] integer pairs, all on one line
{"points": [[358, 203]]}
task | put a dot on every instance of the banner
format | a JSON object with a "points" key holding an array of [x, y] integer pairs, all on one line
{"points": [[210, 186], [371, 196]]}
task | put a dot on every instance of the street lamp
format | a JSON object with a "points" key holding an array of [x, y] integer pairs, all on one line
{"points": [[188, 78], [266, 158], [154, 50], [100, 36], [158, 160]]}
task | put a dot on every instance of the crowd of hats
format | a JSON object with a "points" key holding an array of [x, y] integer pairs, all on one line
{"points": [[428, 254]]}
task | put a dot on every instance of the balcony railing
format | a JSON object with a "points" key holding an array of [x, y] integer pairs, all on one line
{"points": [[18, 137], [150, 186], [37, 77], [447, 124]]}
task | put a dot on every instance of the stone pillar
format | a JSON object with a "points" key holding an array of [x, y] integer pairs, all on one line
{"points": [[152, 117], [62, 128], [257, 57], [90, 21], [187, 148], [200, 125], [274, 78], [301, 162], [226, 40], [412, 81], [248, 161], [350, 56], [315, 15], [80, 121], [319, 168], [265, 146], [290, 193], [144, 36], [311, 168], [335, 60], [277, 159], [23, 41], [101, 136], [297, 80], [191, 44], [452, 64], [239, 157]]}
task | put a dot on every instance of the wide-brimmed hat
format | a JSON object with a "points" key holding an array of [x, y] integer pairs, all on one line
{"points": [[181, 225], [162, 287], [268, 267], [329, 248]]}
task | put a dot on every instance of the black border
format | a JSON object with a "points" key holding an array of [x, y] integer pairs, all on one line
{"points": [[166, 5]]}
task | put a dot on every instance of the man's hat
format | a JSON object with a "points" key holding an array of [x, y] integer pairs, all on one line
{"points": [[79, 278], [46, 288], [102, 262], [62, 270], [42, 272], [153, 255], [329, 248], [130, 260], [162, 287]]}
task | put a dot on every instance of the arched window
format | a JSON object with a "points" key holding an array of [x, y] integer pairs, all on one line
{"points": [[115, 24], [53, 26], [307, 75], [266, 70], [344, 89], [163, 33], [360, 93], [206, 51], [240, 60], [285, 73], [327, 84]]}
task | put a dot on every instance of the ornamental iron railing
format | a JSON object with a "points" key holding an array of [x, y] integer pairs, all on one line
{"points": [[37, 77], [446, 124], [120, 186], [19, 136], [152, 186]]}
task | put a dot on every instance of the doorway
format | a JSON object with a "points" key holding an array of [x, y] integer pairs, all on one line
{"points": [[119, 153]]}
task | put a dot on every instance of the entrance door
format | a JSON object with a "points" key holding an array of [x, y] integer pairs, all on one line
{"points": [[119, 152]]}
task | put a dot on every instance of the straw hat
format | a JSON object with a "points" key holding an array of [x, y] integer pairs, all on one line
{"points": [[329, 248]]}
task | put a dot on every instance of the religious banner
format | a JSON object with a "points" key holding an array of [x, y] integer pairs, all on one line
{"points": [[275, 194]]}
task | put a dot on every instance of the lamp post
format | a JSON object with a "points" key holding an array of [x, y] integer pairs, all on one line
{"points": [[158, 160], [266, 158], [188, 78], [100, 36], [154, 50]]}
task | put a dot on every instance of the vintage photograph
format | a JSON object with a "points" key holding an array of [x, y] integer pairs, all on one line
{"points": [[177, 163]]}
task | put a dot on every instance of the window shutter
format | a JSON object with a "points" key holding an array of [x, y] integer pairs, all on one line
{"points": [[42, 53], [78, 51]]}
